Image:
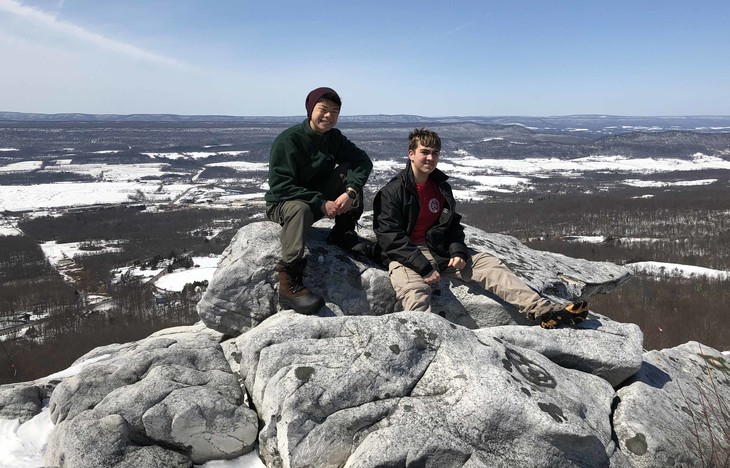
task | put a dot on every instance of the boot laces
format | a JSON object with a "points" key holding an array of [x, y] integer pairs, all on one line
{"points": [[296, 285]]}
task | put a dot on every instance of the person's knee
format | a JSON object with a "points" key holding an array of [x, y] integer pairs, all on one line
{"points": [[297, 209], [484, 261], [416, 297]]}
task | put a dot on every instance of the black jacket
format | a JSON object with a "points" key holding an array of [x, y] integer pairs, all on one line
{"points": [[395, 212]]}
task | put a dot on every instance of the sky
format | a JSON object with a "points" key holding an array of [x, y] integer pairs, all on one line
{"points": [[429, 58]]}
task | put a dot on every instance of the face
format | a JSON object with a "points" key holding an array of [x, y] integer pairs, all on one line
{"points": [[324, 116], [423, 161]]}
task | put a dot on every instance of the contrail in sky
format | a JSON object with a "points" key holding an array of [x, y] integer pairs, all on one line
{"points": [[49, 21], [454, 30]]}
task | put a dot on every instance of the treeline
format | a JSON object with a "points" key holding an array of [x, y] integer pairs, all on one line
{"points": [[145, 235], [687, 225], [71, 324], [28, 283], [672, 311], [53, 345], [42, 177]]}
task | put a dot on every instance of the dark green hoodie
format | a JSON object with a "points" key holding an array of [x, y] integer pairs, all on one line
{"points": [[301, 160]]}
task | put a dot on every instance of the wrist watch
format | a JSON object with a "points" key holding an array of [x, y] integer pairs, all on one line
{"points": [[351, 192]]}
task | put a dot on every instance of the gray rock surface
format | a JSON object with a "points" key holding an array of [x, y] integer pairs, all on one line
{"points": [[104, 442], [24, 400], [675, 411], [243, 291], [412, 389], [600, 346], [172, 394]]}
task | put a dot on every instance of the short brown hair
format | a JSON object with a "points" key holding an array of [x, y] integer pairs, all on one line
{"points": [[427, 138]]}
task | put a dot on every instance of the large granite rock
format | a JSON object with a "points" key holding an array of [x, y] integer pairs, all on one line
{"points": [[600, 346], [412, 389], [675, 411], [243, 291], [24, 400], [171, 397]]}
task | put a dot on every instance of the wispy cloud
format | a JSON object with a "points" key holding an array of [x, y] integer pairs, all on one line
{"points": [[51, 22], [451, 31]]}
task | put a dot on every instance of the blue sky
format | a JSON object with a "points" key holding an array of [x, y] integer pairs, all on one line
{"points": [[430, 58]]}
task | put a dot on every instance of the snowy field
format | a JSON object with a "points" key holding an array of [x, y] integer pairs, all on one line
{"points": [[68, 194], [474, 178], [675, 270], [24, 445]]}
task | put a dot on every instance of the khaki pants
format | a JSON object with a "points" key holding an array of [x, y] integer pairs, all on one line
{"points": [[483, 269]]}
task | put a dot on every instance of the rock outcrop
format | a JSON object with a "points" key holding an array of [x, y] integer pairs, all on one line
{"points": [[169, 397], [364, 386], [412, 389], [25, 400], [675, 410], [243, 291]]}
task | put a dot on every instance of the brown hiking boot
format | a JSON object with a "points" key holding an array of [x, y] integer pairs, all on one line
{"points": [[292, 293], [572, 314]]}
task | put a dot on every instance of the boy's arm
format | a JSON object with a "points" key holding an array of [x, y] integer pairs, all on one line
{"points": [[359, 160], [455, 239], [283, 183], [390, 230], [454, 235]]}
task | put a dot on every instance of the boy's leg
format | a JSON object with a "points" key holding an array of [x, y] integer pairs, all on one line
{"points": [[493, 275], [295, 218], [409, 286], [410, 289]]}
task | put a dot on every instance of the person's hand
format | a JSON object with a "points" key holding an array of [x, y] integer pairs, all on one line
{"points": [[329, 208], [344, 203], [432, 278], [457, 263]]}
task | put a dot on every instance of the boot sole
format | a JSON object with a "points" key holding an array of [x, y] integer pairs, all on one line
{"points": [[571, 315], [304, 309]]}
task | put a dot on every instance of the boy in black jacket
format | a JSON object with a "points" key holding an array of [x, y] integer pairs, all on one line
{"points": [[421, 235]]}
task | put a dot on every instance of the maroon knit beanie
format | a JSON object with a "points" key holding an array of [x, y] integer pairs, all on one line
{"points": [[315, 95]]}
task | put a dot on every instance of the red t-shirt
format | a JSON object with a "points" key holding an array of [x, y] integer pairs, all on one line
{"points": [[432, 203]]}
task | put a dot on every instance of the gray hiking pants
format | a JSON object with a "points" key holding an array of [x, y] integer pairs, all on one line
{"points": [[296, 217], [483, 269]]}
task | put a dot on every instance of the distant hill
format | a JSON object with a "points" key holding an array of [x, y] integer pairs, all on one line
{"points": [[577, 124]]}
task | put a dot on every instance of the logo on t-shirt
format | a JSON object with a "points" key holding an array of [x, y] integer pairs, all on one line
{"points": [[434, 206]]}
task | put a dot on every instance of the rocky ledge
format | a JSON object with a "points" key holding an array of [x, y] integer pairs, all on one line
{"points": [[364, 386]]}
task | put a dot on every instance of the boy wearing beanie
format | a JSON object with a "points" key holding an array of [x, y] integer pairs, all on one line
{"points": [[314, 171]]}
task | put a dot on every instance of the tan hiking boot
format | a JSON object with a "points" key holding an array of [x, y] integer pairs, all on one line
{"points": [[572, 314]]}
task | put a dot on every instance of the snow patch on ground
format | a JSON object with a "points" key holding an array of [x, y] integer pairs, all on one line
{"points": [[194, 154], [113, 172], [203, 270], [243, 166], [680, 183], [59, 195], [56, 252], [22, 166], [676, 270], [9, 228]]}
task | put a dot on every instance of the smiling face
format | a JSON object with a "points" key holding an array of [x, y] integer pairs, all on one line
{"points": [[423, 162], [324, 116]]}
